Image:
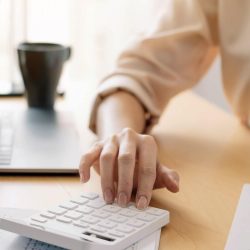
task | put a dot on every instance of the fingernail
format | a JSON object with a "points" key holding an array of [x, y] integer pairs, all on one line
{"points": [[108, 195], [142, 203], [175, 181], [122, 199]]}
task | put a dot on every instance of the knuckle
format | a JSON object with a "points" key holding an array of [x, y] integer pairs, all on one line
{"points": [[128, 131], [149, 172], [149, 139], [107, 157], [113, 138], [126, 159], [96, 145]]}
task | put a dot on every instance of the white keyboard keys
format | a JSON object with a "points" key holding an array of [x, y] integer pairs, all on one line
{"points": [[133, 207], [80, 200], [116, 234], [124, 229], [90, 219], [48, 215], [128, 213], [90, 196], [101, 214], [145, 217], [118, 219], [39, 219], [155, 211], [81, 224], [136, 223], [63, 219], [73, 215], [112, 208], [68, 205], [108, 224], [89, 215], [84, 210], [57, 210], [98, 229], [96, 204]]}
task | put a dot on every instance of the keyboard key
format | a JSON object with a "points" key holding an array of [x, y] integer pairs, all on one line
{"points": [[155, 211], [128, 213], [80, 200], [81, 224], [90, 219], [48, 215], [125, 229], [136, 223], [63, 219], [108, 224], [118, 219], [101, 214], [116, 234], [39, 219], [133, 207], [94, 218], [112, 208], [96, 204], [145, 217], [98, 229], [57, 211], [85, 210], [68, 205], [73, 215], [90, 196]]}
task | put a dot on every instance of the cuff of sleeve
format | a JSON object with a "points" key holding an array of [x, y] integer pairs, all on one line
{"points": [[117, 83]]}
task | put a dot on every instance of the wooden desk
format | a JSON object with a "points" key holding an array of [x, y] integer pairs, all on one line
{"points": [[208, 147]]}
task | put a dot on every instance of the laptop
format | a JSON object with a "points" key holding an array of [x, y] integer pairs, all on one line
{"points": [[38, 141], [239, 235]]}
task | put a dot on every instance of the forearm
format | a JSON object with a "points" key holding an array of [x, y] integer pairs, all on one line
{"points": [[118, 111]]}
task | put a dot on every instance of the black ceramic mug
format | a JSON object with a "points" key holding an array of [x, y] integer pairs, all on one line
{"points": [[41, 66]]}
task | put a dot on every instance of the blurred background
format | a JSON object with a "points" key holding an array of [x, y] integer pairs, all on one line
{"points": [[97, 30]]}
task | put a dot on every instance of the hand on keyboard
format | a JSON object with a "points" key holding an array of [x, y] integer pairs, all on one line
{"points": [[128, 160]]}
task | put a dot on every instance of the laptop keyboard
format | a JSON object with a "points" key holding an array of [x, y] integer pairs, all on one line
{"points": [[6, 138]]}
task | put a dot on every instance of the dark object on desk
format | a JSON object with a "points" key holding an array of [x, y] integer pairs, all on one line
{"points": [[41, 66], [17, 90]]}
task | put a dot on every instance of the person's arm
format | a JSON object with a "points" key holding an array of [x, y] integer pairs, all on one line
{"points": [[155, 68], [124, 155], [118, 111]]}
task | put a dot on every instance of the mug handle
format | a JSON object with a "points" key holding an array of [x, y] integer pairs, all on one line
{"points": [[68, 52]]}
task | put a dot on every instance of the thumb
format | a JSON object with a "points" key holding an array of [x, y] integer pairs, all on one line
{"points": [[167, 178]]}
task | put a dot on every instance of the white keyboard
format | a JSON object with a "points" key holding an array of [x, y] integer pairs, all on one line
{"points": [[87, 222]]}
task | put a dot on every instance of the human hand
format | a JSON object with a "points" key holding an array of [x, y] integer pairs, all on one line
{"points": [[127, 161]]}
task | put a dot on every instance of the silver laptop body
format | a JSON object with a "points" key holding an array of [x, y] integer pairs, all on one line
{"points": [[38, 141]]}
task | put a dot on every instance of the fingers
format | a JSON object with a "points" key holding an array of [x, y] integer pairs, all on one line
{"points": [[167, 178], [125, 161], [147, 171], [87, 161], [126, 166], [107, 164]]}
